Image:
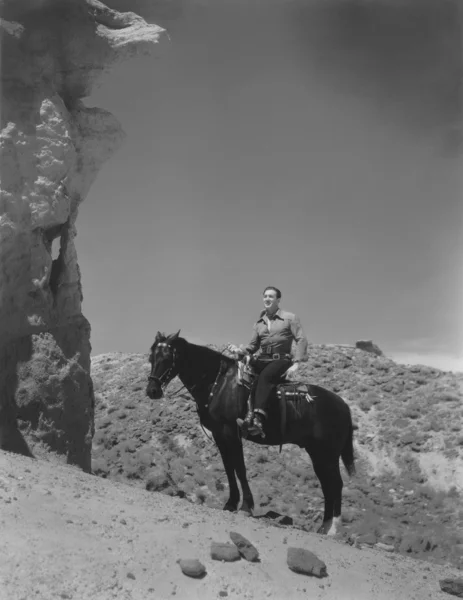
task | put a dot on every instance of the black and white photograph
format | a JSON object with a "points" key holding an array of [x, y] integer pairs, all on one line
{"points": [[231, 299]]}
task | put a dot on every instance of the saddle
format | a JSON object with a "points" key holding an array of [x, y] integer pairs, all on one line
{"points": [[285, 391], [247, 378]]}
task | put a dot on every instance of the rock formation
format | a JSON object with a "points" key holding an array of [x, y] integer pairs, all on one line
{"points": [[52, 146], [369, 346]]}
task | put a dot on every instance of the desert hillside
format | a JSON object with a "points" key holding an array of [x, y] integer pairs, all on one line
{"points": [[406, 494], [70, 535]]}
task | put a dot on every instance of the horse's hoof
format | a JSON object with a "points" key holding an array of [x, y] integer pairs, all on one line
{"points": [[230, 508], [330, 527], [247, 510]]}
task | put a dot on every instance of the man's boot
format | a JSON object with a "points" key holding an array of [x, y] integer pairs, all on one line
{"points": [[257, 427], [246, 423]]}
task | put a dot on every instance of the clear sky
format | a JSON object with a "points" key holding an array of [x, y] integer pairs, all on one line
{"points": [[277, 143]]}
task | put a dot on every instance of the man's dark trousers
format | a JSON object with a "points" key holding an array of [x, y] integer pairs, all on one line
{"points": [[270, 372]]}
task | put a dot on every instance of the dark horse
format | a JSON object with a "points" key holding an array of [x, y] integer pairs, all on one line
{"points": [[322, 426]]}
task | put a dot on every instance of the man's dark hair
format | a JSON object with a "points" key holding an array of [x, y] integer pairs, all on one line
{"points": [[270, 287]]}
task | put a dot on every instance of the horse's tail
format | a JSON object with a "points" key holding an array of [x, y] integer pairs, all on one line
{"points": [[347, 453]]}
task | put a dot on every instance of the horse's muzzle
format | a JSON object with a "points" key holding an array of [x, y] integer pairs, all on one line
{"points": [[154, 390]]}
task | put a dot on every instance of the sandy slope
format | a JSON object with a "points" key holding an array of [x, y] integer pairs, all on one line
{"points": [[65, 534]]}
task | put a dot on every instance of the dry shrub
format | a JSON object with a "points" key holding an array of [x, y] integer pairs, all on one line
{"points": [[200, 496], [261, 458], [100, 467], [413, 411], [134, 471], [157, 480], [448, 397], [199, 477], [436, 424], [364, 404]]}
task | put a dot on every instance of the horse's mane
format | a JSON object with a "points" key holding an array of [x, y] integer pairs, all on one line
{"points": [[204, 349], [211, 352]]}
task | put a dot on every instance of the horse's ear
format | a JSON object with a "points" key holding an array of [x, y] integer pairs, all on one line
{"points": [[158, 337], [174, 336]]}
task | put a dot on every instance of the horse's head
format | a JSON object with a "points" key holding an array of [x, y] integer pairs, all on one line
{"points": [[164, 364]]}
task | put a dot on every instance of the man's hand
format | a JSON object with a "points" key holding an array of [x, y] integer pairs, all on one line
{"points": [[235, 350], [291, 372]]}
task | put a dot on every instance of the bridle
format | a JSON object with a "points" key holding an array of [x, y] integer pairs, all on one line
{"points": [[162, 379]]}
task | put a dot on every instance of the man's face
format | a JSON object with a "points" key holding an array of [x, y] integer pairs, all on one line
{"points": [[270, 300]]}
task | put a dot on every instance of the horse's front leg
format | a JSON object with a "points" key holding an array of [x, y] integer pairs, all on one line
{"points": [[226, 452], [240, 468]]}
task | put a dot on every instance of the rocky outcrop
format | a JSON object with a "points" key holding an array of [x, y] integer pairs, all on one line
{"points": [[369, 346], [51, 148]]}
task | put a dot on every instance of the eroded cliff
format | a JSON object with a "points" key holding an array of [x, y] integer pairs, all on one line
{"points": [[51, 148]]}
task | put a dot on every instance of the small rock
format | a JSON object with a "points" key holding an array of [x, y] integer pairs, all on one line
{"points": [[387, 539], [303, 561], [271, 514], [224, 551], [192, 567], [245, 548], [385, 547], [285, 520], [367, 538], [130, 575], [123, 522], [452, 586]]}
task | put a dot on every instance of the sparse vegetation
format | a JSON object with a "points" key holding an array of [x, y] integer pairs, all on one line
{"points": [[402, 414]]}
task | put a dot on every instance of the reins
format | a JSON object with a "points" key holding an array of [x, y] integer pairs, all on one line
{"points": [[167, 372], [220, 372], [196, 402]]}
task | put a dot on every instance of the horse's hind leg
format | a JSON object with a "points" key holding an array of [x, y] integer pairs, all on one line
{"points": [[226, 452], [326, 468]]}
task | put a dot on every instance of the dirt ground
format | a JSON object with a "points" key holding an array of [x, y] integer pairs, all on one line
{"points": [[65, 534]]}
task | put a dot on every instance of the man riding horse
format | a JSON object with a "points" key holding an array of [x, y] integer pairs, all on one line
{"points": [[274, 333]]}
